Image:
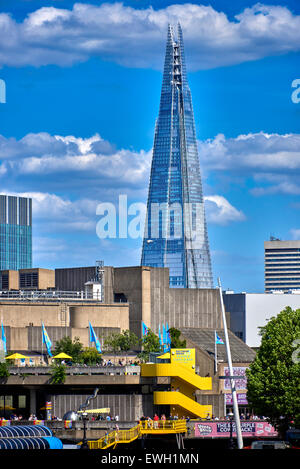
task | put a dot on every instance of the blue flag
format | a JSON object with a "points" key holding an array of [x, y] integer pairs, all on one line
{"points": [[163, 335], [218, 339], [94, 338], [168, 336], [145, 329], [46, 340], [3, 337], [165, 339]]}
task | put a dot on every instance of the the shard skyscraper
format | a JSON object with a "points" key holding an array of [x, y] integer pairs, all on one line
{"points": [[175, 229]]}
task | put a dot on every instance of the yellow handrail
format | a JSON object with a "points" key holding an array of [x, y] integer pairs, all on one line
{"points": [[145, 426]]}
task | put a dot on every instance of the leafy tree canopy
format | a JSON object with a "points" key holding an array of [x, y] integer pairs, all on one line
{"points": [[58, 373], [73, 348], [175, 338], [90, 356], [274, 376], [150, 343], [121, 342]]}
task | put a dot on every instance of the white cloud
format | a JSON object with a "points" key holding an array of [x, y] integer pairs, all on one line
{"points": [[219, 211], [295, 233], [55, 214], [135, 37], [67, 161], [272, 161]]}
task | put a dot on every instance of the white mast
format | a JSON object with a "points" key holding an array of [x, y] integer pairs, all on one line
{"points": [[232, 383]]}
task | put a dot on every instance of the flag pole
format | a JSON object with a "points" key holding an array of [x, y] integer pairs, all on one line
{"points": [[42, 343], [232, 383], [216, 356]]}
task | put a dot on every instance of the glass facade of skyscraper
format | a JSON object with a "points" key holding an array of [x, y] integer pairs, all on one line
{"points": [[175, 229], [15, 233]]}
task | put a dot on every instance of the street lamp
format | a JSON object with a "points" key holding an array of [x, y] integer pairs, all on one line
{"points": [[84, 444], [231, 442]]}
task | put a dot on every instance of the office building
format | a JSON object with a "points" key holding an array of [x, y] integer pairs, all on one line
{"points": [[15, 233], [175, 229], [282, 265], [250, 311]]}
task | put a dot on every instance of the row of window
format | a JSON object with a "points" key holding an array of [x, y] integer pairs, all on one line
{"points": [[283, 250]]}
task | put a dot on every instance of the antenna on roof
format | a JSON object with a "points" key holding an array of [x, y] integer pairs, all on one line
{"points": [[273, 238]]}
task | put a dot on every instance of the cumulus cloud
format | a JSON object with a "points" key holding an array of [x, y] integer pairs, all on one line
{"points": [[219, 211], [272, 161], [135, 37], [62, 162], [53, 213]]}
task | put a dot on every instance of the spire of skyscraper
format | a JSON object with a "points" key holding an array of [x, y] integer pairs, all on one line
{"points": [[175, 230]]}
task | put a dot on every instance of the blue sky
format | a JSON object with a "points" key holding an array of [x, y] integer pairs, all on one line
{"points": [[83, 87]]}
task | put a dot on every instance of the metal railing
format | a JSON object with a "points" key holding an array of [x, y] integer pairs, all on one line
{"points": [[50, 295], [163, 425], [144, 427], [77, 370]]}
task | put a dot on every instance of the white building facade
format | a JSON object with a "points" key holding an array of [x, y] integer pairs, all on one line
{"points": [[250, 311]]}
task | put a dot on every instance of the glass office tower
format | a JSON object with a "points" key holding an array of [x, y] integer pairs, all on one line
{"points": [[15, 233], [175, 229]]}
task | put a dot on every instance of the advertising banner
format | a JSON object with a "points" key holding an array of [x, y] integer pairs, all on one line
{"points": [[184, 356], [222, 429], [239, 383], [241, 398]]}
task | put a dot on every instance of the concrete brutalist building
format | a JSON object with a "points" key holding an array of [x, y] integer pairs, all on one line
{"points": [[131, 295], [150, 299]]}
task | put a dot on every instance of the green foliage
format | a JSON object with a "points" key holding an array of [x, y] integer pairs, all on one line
{"points": [[175, 338], [90, 356], [127, 341], [121, 342], [111, 342], [150, 343], [58, 373], [274, 376], [74, 349], [4, 370]]}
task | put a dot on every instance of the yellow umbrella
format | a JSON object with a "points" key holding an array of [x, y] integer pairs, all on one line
{"points": [[14, 356], [62, 355]]}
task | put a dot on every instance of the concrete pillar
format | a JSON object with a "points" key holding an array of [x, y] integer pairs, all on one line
{"points": [[32, 402]]}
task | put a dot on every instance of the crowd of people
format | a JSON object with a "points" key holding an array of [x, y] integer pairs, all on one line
{"points": [[152, 420]]}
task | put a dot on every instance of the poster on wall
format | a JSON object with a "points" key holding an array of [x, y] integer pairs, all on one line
{"points": [[241, 398], [239, 383], [222, 429]]}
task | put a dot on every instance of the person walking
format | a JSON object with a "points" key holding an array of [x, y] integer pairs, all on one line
{"points": [[156, 420]]}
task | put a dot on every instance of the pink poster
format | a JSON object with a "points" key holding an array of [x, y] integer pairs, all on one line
{"points": [[222, 429]]}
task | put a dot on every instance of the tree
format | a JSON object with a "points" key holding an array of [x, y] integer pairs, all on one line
{"points": [[175, 338], [121, 342], [74, 349], [4, 370], [274, 376], [58, 373], [112, 342], [127, 341], [90, 356], [150, 343]]}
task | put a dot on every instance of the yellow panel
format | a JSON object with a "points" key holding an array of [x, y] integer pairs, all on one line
{"points": [[184, 356], [178, 399], [177, 370]]}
